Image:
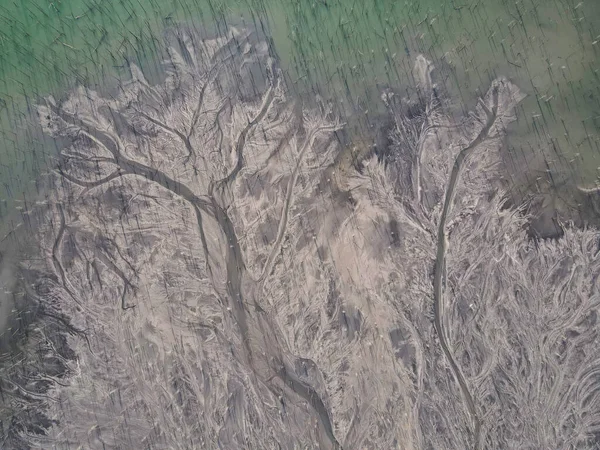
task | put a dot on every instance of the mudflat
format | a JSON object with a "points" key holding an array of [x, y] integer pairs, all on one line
{"points": [[209, 277]]}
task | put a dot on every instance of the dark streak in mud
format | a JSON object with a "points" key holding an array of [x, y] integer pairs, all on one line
{"points": [[236, 269], [126, 283], [308, 393], [438, 282], [129, 166], [56, 247], [241, 142]]}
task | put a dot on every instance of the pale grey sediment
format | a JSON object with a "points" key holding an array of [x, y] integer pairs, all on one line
{"points": [[214, 290]]}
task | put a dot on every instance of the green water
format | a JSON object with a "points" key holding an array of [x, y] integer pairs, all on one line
{"points": [[345, 50]]}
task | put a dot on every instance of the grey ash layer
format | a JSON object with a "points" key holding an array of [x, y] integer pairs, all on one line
{"points": [[204, 284]]}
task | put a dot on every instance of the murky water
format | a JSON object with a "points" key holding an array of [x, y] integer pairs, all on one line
{"points": [[344, 50]]}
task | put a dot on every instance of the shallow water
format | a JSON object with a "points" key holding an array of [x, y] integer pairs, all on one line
{"points": [[345, 50]]}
